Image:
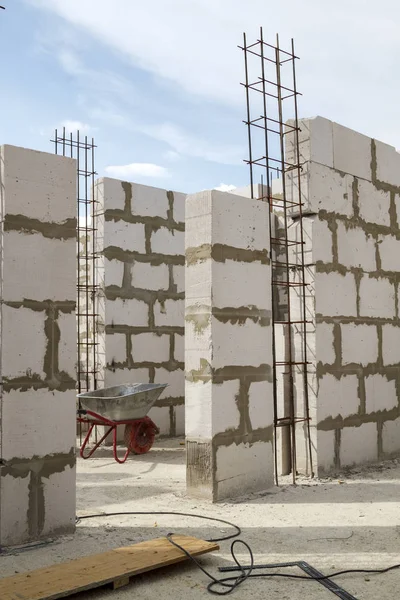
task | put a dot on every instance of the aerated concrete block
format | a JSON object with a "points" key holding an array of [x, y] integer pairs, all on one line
{"points": [[377, 298], [164, 241], [380, 393], [356, 248], [315, 141], [337, 397], [374, 204], [335, 294], [389, 251], [145, 276], [359, 344], [59, 491], [124, 235], [116, 348], [238, 345], [351, 152], [148, 201], [150, 347], [391, 344], [178, 272], [14, 510], [113, 272], [391, 436], [240, 284], [358, 444], [169, 313], [174, 379], [223, 417], [261, 406], [179, 349], [325, 351], [132, 312], [387, 163]]}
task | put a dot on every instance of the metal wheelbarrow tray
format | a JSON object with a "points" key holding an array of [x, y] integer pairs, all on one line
{"points": [[127, 405]]}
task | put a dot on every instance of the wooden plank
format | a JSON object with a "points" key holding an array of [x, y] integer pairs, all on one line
{"points": [[113, 567]]}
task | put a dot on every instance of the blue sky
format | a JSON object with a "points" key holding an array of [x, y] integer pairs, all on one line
{"points": [[156, 82]]}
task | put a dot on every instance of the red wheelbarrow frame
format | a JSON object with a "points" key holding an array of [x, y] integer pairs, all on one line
{"points": [[97, 419]]}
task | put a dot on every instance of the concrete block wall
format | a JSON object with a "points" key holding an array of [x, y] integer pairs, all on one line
{"points": [[142, 280], [228, 346], [351, 192], [38, 345]]}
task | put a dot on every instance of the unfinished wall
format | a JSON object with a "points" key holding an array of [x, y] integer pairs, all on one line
{"points": [[228, 349], [351, 187], [38, 344], [141, 238]]}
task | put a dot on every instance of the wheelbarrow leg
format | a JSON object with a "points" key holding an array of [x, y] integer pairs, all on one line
{"points": [[97, 444], [119, 460]]}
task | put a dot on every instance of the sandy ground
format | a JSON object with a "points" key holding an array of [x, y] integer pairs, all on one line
{"points": [[352, 521]]}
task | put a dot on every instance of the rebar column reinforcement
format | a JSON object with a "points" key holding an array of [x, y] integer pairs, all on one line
{"points": [[272, 115], [83, 150]]}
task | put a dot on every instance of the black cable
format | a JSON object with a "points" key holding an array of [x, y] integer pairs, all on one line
{"points": [[246, 572], [179, 514]]}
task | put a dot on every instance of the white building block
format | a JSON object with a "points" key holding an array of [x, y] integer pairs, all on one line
{"points": [[110, 194], [239, 284], [148, 277], [322, 188], [179, 353], [335, 294], [391, 344], [150, 347], [239, 223], [325, 351], [374, 204], [42, 199], [325, 451], [397, 204], [351, 152], [315, 141], [321, 241], [358, 445], [170, 313], [121, 376], [25, 415], [149, 201], [14, 509], [179, 277], [113, 272], [67, 345], [174, 379], [179, 207], [261, 404], [198, 410], [180, 419], [32, 258], [355, 248], [124, 235], [391, 436], [389, 251], [160, 415], [241, 468], [225, 413], [59, 491], [380, 393], [240, 345], [198, 282], [115, 348], [359, 344], [337, 397], [387, 163], [377, 298], [24, 164], [164, 241], [127, 312], [27, 358]]}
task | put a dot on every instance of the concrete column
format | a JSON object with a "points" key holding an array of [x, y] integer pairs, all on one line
{"points": [[38, 345], [228, 346]]}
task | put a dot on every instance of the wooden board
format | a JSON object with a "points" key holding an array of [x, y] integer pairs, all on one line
{"points": [[113, 567]]}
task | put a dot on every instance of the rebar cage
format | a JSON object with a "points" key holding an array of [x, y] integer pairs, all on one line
{"points": [[274, 162], [83, 150]]}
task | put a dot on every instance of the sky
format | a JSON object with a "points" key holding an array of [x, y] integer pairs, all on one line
{"points": [[157, 82]]}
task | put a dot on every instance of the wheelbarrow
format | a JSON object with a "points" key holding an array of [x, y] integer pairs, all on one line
{"points": [[127, 405]]}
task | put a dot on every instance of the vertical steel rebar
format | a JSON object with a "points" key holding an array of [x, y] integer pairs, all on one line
{"points": [[248, 117]]}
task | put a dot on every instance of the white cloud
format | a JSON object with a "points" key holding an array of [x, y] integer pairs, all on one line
{"points": [[138, 170], [73, 126], [225, 187], [171, 156], [342, 74]]}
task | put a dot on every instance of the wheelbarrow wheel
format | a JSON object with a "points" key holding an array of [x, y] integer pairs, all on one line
{"points": [[139, 437]]}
